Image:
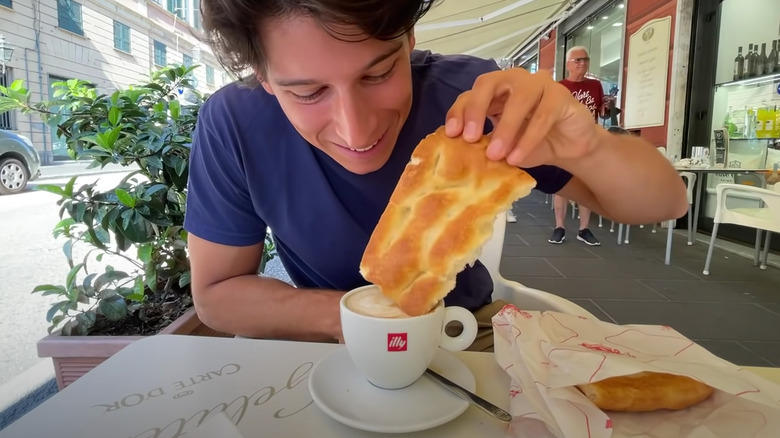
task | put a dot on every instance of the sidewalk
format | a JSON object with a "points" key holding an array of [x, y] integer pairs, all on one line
{"points": [[68, 169]]}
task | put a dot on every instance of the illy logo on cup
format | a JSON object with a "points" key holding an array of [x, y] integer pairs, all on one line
{"points": [[396, 342]]}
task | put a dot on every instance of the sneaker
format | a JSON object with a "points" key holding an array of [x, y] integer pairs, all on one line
{"points": [[510, 217], [586, 236], [558, 236]]}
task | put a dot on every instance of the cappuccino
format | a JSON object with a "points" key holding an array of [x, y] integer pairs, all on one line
{"points": [[371, 302]]}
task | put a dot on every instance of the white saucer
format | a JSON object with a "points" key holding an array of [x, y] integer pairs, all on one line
{"points": [[339, 389]]}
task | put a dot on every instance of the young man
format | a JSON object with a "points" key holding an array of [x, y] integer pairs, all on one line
{"points": [[589, 93], [315, 151]]}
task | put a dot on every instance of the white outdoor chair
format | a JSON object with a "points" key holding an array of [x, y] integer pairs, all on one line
{"points": [[763, 218], [513, 292], [690, 183]]}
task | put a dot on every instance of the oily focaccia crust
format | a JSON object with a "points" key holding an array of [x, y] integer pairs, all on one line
{"points": [[438, 218], [646, 391]]}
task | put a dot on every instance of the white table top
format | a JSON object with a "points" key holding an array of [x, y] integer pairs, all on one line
{"points": [[161, 384], [165, 385]]}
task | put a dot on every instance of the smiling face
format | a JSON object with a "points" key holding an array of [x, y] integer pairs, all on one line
{"points": [[577, 64], [349, 99]]}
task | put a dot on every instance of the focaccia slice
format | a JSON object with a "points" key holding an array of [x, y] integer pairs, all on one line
{"points": [[439, 216], [646, 391]]}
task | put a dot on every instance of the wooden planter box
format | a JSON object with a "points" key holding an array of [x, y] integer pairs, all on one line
{"points": [[74, 356]]}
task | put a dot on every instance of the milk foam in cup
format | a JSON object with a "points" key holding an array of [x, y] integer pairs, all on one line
{"points": [[392, 349], [372, 302]]}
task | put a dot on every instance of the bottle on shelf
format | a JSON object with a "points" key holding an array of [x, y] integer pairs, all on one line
{"points": [[761, 60], [739, 65], [762, 120], [750, 63], [777, 61], [769, 121], [749, 130], [771, 61], [728, 123]]}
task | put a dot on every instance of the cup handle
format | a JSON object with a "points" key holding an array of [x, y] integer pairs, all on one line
{"points": [[466, 337]]}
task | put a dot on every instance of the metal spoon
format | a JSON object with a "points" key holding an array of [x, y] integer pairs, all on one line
{"points": [[470, 397]]}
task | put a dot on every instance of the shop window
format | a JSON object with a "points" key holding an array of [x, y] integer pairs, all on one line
{"points": [[602, 34]]}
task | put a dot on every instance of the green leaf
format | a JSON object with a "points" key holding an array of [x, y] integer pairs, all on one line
{"points": [[71, 279], [154, 189], [17, 85], [67, 249], [184, 279], [175, 108], [181, 166], [114, 114], [8, 104], [51, 188], [86, 320], [145, 253], [114, 308], [150, 273], [50, 289], [108, 277], [125, 197], [61, 306], [69, 187], [87, 283], [136, 298]]}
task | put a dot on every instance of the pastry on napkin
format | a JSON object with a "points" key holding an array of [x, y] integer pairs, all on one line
{"points": [[546, 354]]}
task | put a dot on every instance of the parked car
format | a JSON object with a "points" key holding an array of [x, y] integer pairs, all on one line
{"points": [[19, 162]]}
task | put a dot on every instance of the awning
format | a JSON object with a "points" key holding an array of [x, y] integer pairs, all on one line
{"points": [[487, 28]]}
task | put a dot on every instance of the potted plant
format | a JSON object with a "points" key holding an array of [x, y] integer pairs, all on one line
{"points": [[147, 129]]}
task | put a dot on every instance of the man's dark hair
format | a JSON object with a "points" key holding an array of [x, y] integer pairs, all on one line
{"points": [[232, 27]]}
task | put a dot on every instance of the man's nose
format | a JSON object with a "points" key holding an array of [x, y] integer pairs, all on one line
{"points": [[355, 122]]}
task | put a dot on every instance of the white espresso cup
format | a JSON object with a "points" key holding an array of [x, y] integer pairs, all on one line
{"points": [[392, 349]]}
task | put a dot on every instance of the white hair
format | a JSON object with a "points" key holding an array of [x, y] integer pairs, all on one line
{"points": [[583, 48]]}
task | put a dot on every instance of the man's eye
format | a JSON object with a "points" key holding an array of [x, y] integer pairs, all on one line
{"points": [[309, 97], [383, 77]]}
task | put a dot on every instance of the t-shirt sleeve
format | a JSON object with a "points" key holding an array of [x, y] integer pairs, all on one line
{"points": [[549, 179], [219, 205]]}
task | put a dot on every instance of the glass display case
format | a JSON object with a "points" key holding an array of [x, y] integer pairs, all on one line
{"points": [[746, 95]]}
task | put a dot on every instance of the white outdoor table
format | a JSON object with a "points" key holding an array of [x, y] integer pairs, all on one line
{"points": [[166, 385]]}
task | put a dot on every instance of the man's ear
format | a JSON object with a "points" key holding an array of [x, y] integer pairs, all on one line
{"points": [[266, 85]]}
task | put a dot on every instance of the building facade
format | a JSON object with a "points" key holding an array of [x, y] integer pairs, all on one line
{"points": [[109, 43]]}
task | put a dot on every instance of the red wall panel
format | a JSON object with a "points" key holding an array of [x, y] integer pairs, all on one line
{"points": [[547, 52]]}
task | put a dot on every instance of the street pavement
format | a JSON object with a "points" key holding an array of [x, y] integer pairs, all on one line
{"points": [[31, 256]]}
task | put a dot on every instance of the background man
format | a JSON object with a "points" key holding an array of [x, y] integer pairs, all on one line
{"points": [[589, 93]]}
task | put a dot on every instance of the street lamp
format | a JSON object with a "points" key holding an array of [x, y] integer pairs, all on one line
{"points": [[5, 53]]}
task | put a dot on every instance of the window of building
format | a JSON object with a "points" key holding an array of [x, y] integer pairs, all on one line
{"points": [[187, 60], [209, 75], [5, 118], [160, 54], [69, 16], [7, 3], [121, 36], [176, 7], [196, 21]]}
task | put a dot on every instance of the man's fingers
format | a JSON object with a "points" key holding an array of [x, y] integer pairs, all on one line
{"points": [[467, 116], [509, 128]]}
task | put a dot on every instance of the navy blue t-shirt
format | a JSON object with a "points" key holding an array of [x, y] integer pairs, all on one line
{"points": [[250, 169]]}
